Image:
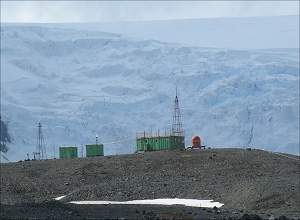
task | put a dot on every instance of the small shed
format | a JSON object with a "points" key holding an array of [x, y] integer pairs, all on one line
{"points": [[68, 152], [158, 143], [94, 150]]}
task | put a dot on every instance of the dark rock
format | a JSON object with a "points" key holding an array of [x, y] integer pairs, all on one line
{"points": [[215, 208], [251, 217], [282, 217]]}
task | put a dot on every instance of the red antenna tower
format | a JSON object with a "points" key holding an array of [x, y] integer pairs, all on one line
{"points": [[177, 119]]}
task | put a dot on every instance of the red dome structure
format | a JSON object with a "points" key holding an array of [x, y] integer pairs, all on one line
{"points": [[196, 142]]}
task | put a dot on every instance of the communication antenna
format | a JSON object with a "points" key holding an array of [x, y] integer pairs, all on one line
{"points": [[96, 139], [177, 118], [41, 149], [53, 148]]}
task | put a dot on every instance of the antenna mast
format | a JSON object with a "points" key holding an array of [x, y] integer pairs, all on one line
{"points": [[177, 123], [96, 139], [41, 149]]}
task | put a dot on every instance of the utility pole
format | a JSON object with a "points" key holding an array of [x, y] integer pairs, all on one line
{"points": [[41, 149], [35, 154], [53, 149], [81, 150]]}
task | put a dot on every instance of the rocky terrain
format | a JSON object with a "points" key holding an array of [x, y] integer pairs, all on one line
{"points": [[246, 181]]}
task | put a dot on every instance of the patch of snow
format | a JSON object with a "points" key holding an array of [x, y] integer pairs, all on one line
{"points": [[60, 197], [167, 201]]}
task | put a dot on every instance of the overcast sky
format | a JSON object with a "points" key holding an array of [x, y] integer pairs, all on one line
{"points": [[103, 11]]}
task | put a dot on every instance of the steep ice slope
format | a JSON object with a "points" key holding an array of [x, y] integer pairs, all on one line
{"points": [[79, 84], [233, 33]]}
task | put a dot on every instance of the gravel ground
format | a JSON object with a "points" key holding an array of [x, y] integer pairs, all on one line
{"points": [[57, 210], [253, 182]]}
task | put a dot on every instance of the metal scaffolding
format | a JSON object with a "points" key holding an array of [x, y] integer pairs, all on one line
{"points": [[177, 129], [40, 153]]}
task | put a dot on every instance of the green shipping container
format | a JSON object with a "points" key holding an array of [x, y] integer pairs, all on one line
{"points": [[68, 152], [94, 150], [160, 143]]}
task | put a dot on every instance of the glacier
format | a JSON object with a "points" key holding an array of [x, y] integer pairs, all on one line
{"points": [[83, 83], [242, 33]]}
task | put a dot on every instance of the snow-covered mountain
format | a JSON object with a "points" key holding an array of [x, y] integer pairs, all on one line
{"points": [[232, 33], [82, 83]]}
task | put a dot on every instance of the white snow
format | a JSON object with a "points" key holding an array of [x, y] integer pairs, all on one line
{"points": [[80, 83], [167, 201], [59, 198], [233, 33]]}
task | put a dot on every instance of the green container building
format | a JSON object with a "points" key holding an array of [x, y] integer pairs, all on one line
{"points": [[172, 140], [68, 152], [94, 150], [158, 143]]}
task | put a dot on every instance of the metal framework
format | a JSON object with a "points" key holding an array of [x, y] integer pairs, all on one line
{"points": [[41, 148], [177, 129], [158, 133]]}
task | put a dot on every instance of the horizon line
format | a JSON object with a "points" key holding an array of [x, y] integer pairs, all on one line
{"points": [[135, 21]]}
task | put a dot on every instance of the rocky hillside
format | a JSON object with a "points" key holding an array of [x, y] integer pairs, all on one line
{"points": [[248, 181]]}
